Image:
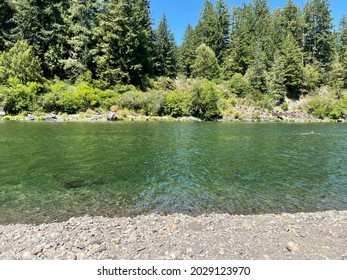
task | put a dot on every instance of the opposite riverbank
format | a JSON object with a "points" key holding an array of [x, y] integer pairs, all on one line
{"points": [[310, 236]]}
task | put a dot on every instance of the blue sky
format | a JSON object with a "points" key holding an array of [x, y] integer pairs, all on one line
{"points": [[182, 12]]}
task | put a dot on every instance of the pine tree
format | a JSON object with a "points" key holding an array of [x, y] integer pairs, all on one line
{"points": [[40, 23], [319, 38], [187, 51], [213, 27], [276, 83], [341, 64], [223, 23], [123, 36], [240, 52], [165, 60], [206, 63], [6, 14], [79, 22]]}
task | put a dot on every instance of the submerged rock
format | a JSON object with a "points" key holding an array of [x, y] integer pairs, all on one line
{"points": [[76, 184]]}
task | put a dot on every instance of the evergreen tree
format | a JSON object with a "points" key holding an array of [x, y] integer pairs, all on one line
{"points": [[292, 65], [165, 60], [187, 51], [340, 66], [213, 27], [6, 13], [257, 72], [276, 83], [123, 37], [206, 63], [319, 38], [240, 52], [223, 23], [79, 22], [40, 23]]}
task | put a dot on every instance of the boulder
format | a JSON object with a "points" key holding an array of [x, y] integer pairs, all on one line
{"points": [[29, 118], [52, 118], [2, 112], [340, 120], [112, 117]]}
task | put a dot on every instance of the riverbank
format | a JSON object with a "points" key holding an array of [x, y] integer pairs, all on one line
{"points": [[113, 117], [314, 236]]}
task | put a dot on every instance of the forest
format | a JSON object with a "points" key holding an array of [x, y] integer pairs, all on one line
{"points": [[72, 56]]}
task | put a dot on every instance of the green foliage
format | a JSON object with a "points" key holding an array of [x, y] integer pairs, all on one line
{"points": [[311, 79], [166, 56], [163, 83], [148, 103], [187, 51], [177, 104], [319, 37], [205, 64], [17, 97], [204, 101], [20, 63], [239, 86]]}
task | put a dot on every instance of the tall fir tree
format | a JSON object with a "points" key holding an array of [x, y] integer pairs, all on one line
{"points": [[206, 63], [318, 34], [166, 57], [187, 51], [6, 14], [79, 21], [123, 36], [40, 22], [239, 54]]}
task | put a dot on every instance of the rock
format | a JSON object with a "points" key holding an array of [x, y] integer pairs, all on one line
{"points": [[292, 247], [37, 250], [27, 256], [161, 231], [176, 255], [2, 112], [132, 237], [340, 120], [29, 118], [198, 250], [52, 118], [174, 227], [112, 117]]}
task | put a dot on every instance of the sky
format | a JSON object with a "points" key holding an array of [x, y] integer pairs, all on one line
{"points": [[181, 12]]}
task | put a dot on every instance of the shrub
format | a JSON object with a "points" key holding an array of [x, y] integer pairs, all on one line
{"points": [[239, 86], [204, 102], [16, 97]]}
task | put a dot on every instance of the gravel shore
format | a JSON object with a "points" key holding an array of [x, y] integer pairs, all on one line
{"points": [[313, 236]]}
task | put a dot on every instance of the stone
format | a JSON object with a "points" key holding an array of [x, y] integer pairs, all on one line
{"points": [[292, 247], [174, 227], [2, 112], [29, 118], [37, 250], [176, 255], [198, 250], [340, 120], [52, 118], [112, 117]]}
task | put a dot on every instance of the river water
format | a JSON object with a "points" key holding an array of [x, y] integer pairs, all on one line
{"points": [[54, 171]]}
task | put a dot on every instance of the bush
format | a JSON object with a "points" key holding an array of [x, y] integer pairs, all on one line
{"points": [[204, 102], [163, 83], [16, 97], [320, 106], [239, 86]]}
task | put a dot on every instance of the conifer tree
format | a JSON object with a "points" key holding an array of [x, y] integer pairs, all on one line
{"points": [[165, 60], [187, 51], [79, 22], [206, 63], [6, 13], [40, 23], [319, 38]]}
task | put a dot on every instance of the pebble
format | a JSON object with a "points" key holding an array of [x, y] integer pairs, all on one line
{"points": [[292, 247]]}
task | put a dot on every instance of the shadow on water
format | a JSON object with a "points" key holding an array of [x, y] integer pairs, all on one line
{"points": [[71, 170]]}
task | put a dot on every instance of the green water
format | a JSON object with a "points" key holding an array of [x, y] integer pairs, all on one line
{"points": [[53, 171]]}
